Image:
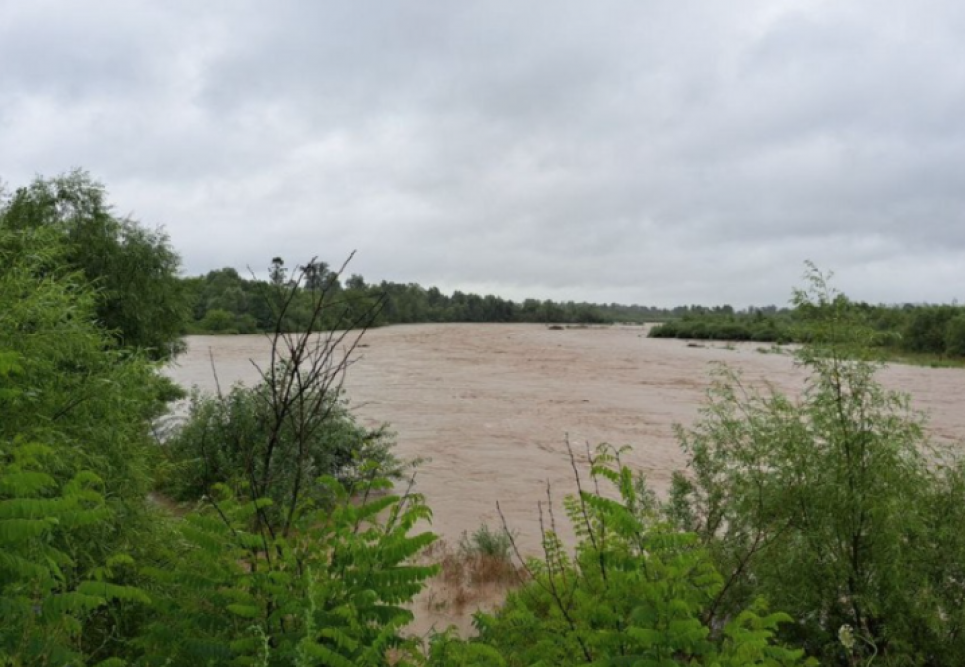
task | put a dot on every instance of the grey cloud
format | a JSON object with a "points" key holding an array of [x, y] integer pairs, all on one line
{"points": [[619, 151]]}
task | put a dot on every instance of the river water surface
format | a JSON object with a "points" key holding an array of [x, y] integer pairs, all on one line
{"points": [[490, 407]]}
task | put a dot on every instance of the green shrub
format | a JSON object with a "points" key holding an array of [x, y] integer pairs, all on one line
{"points": [[47, 609], [225, 440], [955, 336], [828, 506], [75, 462], [634, 592], [218, 321], [334, 592], [487, 542]]}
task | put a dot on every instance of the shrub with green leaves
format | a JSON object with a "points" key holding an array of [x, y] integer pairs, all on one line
{"points": [[834, 506], [76, 460], [333, 592], [45, 606], [634, 592], [486, 541], [225, 439]]}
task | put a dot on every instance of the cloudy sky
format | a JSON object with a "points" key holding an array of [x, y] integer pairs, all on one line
{"points": [[632, 151]]}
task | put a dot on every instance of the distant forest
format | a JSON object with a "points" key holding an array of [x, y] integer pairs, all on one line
{"points": [[907, 330], [223, 301]]}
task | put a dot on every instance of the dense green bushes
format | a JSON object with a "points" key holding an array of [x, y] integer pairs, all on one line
{"points": [[938, 331], [92, 573], [773, 329], [935, 330], [832, 506], [224, 438], [333, 592], [75, 458]]}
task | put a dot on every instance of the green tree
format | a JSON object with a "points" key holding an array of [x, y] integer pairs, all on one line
{"points": [[218, 320], [926, 329], [284, 564], [75, 459], [825, 505], [955, 336], [135, 270]]}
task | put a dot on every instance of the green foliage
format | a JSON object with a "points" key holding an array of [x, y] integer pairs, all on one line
{"points": [[43, 604], [75, 456], [224, 302], [217, 320], [954, 338], [75, 391], [893, 331], [334, 592], [727, 327], [272, 441], [90, 574], [832, 507], [134, 269], [925, 330], [286, 564], [226, 439], [486, 541], [826, 505], [634, 592]]}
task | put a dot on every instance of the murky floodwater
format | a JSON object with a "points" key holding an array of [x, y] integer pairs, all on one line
{"points": [[489, 407]]}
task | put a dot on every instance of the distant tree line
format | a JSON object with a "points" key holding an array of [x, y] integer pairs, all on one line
{"points": [[725, 324], [224, 301], [926, 329]]}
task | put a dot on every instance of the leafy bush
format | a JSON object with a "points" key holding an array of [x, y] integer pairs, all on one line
{"points": [[828, 505], [634, 592], [487, 542], [955, 336], [218, 321], [333, 592], [139, 299], [45, 607], [75, 461], [711, 326], [225, 439]]}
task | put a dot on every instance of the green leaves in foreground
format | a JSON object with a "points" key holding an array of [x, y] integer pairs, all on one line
{"points": [[43, 612], [635, 592], [333, 592]]}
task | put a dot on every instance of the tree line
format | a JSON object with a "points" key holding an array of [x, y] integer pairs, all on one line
{"points": [[819, 529], [933, 330], [224, 301]]}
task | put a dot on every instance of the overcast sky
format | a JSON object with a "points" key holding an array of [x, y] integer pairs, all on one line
{"points": [[631, 151]]}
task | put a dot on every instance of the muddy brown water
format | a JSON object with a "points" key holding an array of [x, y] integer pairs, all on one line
{"points": [[490, 407]]}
